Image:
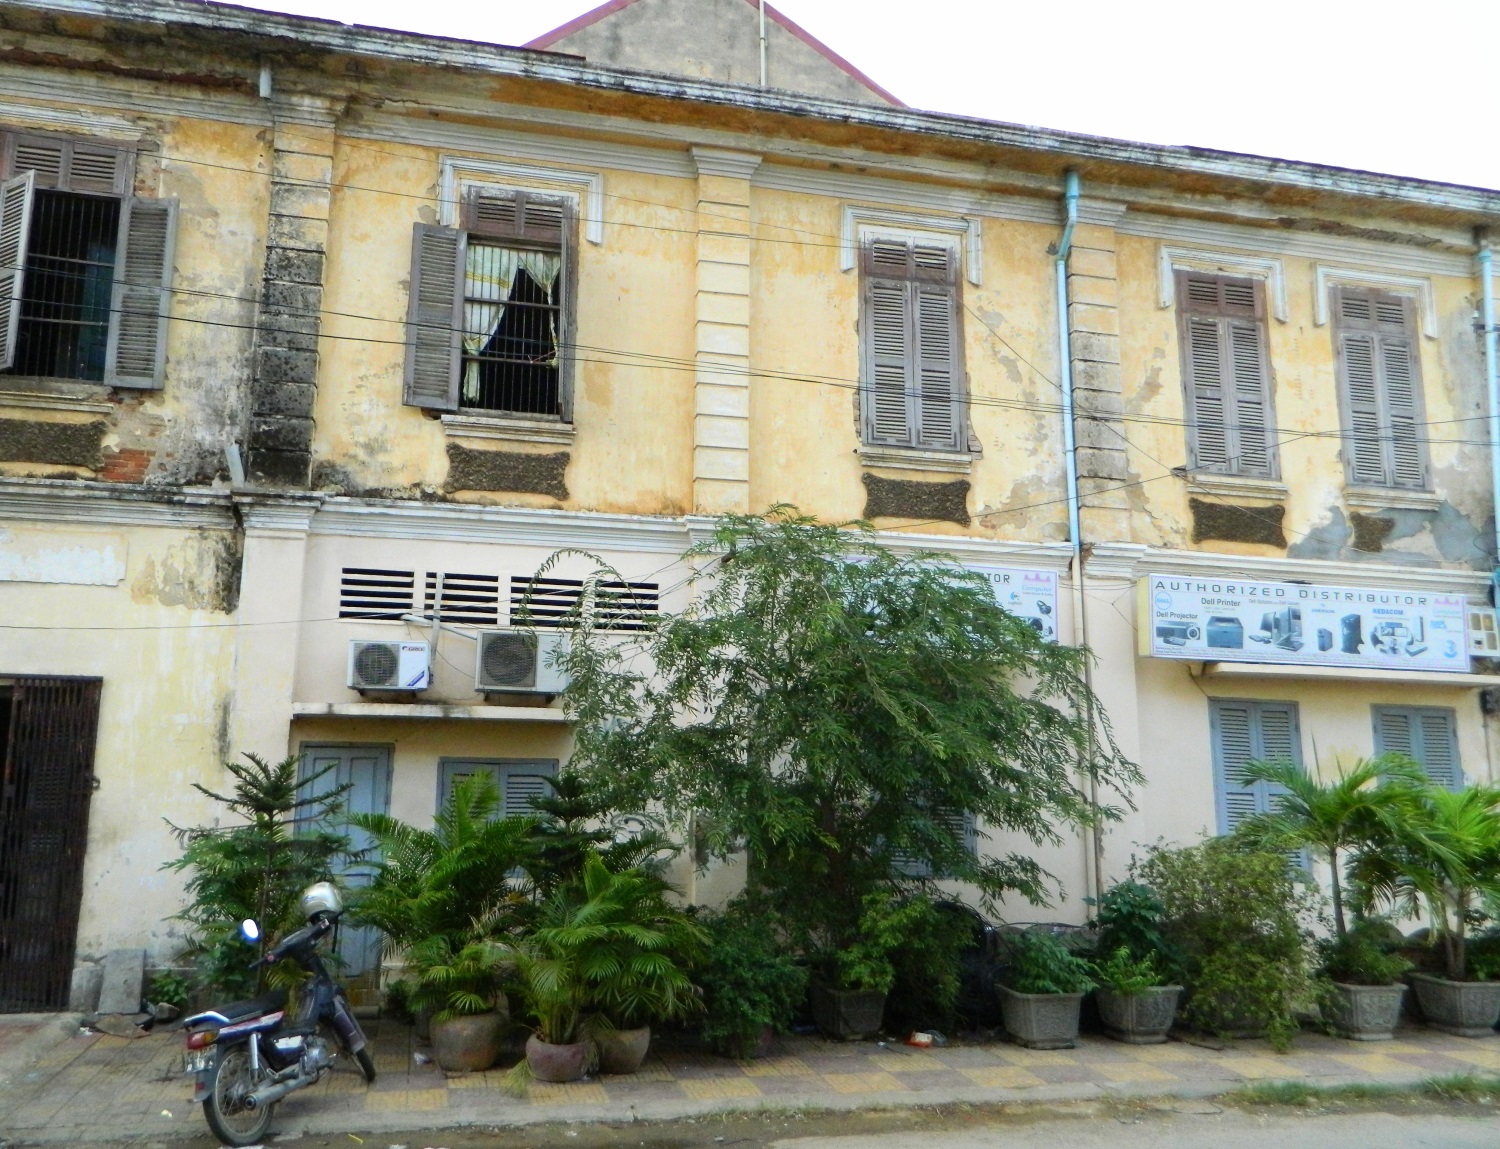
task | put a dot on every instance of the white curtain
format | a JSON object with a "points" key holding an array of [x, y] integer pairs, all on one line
{"points": [[489, 277]]}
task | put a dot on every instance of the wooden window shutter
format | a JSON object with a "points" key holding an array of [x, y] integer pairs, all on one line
{"points": [[72, 165], [1381, 385], [1427, 734], [518, 215], [16, 197], [911, 344], [522, 781], [1225, 374], [434, 318], [141, 296], [1244, 732]]}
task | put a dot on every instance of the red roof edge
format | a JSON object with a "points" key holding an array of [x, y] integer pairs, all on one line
{"points": [[610, 7]]}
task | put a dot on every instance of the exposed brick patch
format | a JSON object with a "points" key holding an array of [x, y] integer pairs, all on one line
{"points": [[1235, 523], [126, 465]]}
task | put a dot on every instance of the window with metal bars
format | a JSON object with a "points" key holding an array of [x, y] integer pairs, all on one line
{"points": [[490, 317], [558, 602], [70, 265]]}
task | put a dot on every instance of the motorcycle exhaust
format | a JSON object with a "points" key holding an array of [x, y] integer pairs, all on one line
{"points": [[270, 1094]]}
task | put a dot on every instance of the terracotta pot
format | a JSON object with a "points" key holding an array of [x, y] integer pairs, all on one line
{"points": [[467, 1044], [1138, 1018], [1462, 1008], [1364, 1012], [550, 1062], [847, 1014], [1041, 1020], [621, 1051]]}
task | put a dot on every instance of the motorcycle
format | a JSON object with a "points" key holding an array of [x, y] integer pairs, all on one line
{"points": [[246, 1056]]}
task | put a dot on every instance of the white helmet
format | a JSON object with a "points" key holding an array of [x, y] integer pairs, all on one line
{"points": [[321, 898]]}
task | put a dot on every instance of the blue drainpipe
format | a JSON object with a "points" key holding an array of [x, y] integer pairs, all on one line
{"points": [[1492, 381]]}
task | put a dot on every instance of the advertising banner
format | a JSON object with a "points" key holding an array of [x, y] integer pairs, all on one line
{"points": [[1231, 620], [1028, 594]]}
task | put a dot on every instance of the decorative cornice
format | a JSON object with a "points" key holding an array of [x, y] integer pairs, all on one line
{"points": [[55, 501], [508, 429], [1169, 259], [76, 88], [1104, 212], [857, 220], [1130, 561], [283, 516], [41, 401], [452, 181], [1234, 486], [1324, 277], [308, 110], [1384, 498], [721, 162]]}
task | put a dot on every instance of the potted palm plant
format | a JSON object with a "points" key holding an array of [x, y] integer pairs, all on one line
{"points": [[1446, 860], [1344, 821], [461, 988], [1041, 991]]}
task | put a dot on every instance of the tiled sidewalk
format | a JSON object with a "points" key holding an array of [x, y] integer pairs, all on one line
{"points": [[107, 1088]]}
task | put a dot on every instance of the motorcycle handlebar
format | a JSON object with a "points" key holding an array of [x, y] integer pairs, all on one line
{"points": [[292, 941]]}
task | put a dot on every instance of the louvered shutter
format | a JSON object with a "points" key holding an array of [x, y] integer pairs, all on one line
{"points": [[434, 318], [1428, 735], [522, 781], [1382, 389], [16, 197], [73, 165], [935, 318], [888, 352], [1226, 376], [519, 215], [1244, 732], [141, 296]]}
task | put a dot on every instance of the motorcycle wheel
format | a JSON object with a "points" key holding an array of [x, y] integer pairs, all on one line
{"points": [[231, 1080], [363, 1058]]}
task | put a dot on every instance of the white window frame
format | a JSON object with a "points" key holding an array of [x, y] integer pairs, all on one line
{"points": [[585, 190], [1270, 272], [964, 234]]}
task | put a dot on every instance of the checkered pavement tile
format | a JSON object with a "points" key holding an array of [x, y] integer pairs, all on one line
{"points": [[776, 1067], [569, 1093], [876, 1082], [1000, 1077], [405, 1100], [719, 1088]]}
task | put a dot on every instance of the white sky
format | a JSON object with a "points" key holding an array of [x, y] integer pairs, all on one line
{"points": [[1411, 88]]}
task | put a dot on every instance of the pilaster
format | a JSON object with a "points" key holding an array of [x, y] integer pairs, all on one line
{"points": [[721, 420], [291, 299]]}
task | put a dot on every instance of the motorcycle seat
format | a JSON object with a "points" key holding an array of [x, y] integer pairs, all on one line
{"points": [[240, 1010]]}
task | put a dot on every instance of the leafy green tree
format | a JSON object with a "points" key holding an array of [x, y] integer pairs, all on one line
{"points": [[1365, 806], [834, 708], [574, 823], [276, 845]]}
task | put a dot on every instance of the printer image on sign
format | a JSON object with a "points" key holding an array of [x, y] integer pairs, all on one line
{"points": [[1028, 594], [1231, 620]]}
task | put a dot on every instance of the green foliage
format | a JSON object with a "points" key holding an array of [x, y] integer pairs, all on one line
{"points": [[611, 943], [887, 924], [1363, 808], [1444, 860], [452, 882], [257, 867], [1363, 955], [749, 979], [1237, 918], [456, 980], [831, 703], [170, 988], [397, 1003], [1129, 916], [1039, 963], [929, 966], [574, 822], [1126, 975]]}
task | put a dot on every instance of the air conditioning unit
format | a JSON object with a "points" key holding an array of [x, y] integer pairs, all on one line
{"points": [[518, 662], [388, 665], [1484, 634]]}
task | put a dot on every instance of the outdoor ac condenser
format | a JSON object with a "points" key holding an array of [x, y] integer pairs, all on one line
{"points": [[388, 665], [518, 662]]}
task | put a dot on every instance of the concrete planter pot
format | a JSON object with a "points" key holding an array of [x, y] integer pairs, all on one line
{"points": [[1462, 1008], [1364, 1012], [467, 1044], [621, 1051], [847, 1014], [1138, 1018], [1041, 1020], [556, 1063]]}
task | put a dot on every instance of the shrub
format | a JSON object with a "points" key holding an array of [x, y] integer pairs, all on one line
{"points": [[1129, 916], [1236, 916], [749, 980], [170, 988], [1125, 975], [1039, 963], [1363, 955]]}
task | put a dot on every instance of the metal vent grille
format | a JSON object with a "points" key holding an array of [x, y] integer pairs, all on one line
{"points": [[376, 664], [507, 659], [466, 598], [555, 602], [371, 593]]}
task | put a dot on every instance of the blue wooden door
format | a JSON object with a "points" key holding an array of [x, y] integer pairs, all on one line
{"points": [[367, 769]]}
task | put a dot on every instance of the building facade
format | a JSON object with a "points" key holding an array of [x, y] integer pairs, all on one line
{"points": [[313, 332]]}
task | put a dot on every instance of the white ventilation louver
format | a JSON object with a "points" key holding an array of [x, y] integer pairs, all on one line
{"points": [[1484, 634], [388, 666], [518, 662]]}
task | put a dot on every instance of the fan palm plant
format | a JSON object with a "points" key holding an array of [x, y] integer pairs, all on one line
{"points": [[1367, 804]]}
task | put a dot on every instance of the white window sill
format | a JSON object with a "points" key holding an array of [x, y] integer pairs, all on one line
{"points": [[509, 428], [915, 458], [82, 399], [1234, 486], [1387, 498]]}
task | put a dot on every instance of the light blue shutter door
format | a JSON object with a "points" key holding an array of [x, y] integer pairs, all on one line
{"points": [[1232, 727], [451, 773], [522, 781], [1428, 735]]}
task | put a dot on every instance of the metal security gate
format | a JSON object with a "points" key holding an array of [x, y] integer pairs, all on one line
{"points": [[46, 780]]}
